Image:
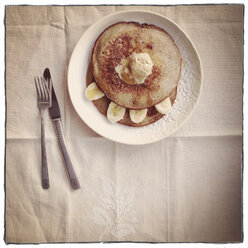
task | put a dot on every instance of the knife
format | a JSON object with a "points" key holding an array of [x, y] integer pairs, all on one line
{"points": [[56, 118]]}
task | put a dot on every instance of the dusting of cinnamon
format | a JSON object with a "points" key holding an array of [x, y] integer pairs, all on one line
{"points": [[117, 49]]}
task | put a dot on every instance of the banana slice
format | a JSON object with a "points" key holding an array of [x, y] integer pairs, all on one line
{"points": [[115, 112], [164, 107], [92, 92], [137, 115]]}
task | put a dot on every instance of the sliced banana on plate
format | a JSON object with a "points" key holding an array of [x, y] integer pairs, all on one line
{"points": [[137, 116], [115, 112], [92, 92], [164, 107]]}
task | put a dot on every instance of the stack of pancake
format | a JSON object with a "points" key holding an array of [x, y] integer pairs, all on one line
{"points": [[120, 42]]}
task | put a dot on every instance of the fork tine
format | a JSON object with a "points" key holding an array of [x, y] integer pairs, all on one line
{"points": [[49, 89], [43, 96], [46, 89], [37, 87], [50, 86], [42, 89]]}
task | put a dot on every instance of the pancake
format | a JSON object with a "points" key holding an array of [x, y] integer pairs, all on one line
{"points": [[121, 40], [103, 103]]}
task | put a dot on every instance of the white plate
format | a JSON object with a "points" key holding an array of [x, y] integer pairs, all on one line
{"points": [[189, 87]]}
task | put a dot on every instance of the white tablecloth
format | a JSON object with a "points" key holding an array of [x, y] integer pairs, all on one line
{"points": [[185, 188]]}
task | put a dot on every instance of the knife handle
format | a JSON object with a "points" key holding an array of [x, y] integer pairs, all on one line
{"points": [[68, 162]]}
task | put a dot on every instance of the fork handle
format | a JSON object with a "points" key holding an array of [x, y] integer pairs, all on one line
{"points": [[45, 177], [68, 162]]}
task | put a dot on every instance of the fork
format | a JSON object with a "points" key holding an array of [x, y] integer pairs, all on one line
{"points": [[44, 101]]}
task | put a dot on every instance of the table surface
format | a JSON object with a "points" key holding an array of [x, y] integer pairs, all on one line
{"points": [[185, 188]]}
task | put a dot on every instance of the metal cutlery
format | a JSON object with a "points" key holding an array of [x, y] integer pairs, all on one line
{"points": [[44, 102], [56, 118]]}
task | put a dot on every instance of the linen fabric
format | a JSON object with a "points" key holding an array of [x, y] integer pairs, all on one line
{"points": [[185, 188]]}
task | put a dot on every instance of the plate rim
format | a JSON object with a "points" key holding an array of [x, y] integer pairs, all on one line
{"points": [[110, 16]]}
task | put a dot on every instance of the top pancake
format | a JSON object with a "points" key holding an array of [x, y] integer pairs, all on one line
{"points": [[120, 41]]}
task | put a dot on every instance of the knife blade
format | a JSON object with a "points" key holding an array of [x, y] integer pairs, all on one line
{"points": [[56, 118], [54, 109]]}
